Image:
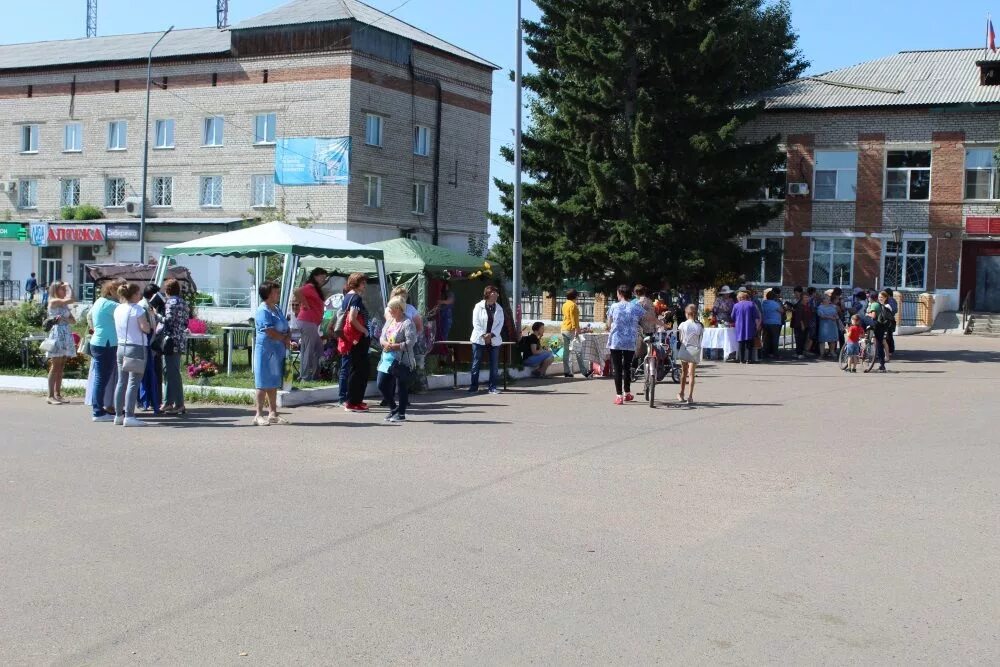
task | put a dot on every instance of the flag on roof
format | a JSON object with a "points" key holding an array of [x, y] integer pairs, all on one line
{"points": [[992, 36]]}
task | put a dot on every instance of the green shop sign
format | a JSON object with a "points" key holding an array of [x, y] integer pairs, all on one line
{"points": [[13, 232]]}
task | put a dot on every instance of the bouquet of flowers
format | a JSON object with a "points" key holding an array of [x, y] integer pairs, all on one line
{"points": [[202, 368]]}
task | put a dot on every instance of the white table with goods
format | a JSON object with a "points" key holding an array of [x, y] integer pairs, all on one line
{"points": [[720, 338]]}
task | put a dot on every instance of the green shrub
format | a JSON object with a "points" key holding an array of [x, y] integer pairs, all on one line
{"points": [[88, 212], [12, 330], [68, 212], [202, 299], [29, 313]]}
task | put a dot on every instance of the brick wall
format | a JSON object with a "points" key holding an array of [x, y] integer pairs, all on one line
{"points": [[798, 210], [945, 214]]}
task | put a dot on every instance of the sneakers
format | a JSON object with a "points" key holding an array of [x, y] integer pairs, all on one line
{"points": [[356, 407], [495, 391], [119, 420], [619, 400], [588, 374], [103, 418], [395, 419], [473, 390], [133, 422], [629, 398], [567, 375]]}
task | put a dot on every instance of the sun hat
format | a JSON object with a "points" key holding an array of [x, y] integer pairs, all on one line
{"points": [[725, 290]]}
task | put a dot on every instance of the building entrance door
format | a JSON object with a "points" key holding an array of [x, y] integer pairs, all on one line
{"points": [[988, 283], [84, 255], [50, 266]]}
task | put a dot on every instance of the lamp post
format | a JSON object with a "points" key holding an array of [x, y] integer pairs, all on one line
{"points": [[145, 152], [897, 237], [517, 178]]}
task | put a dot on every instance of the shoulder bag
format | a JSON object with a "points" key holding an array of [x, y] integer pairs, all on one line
{"points": [[133, 355]]}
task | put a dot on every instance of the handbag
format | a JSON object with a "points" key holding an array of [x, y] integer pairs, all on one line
{"points": [[47, 345], [49, 322], [84, 346], [133, 356]]}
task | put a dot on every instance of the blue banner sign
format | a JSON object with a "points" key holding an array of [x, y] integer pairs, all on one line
{"points": [[312, 161]]}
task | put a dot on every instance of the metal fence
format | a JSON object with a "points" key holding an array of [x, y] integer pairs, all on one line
{"points": [[531, 307], [10, 290], [585, 303], [909, 309]]}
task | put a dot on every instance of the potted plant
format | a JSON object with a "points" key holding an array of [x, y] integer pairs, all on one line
{"points": [[202, 370]]}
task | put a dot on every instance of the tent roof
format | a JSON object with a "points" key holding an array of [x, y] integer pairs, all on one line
{"points": [[408, 256], [274, 238]]}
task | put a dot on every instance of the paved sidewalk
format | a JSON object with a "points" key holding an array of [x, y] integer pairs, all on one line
{"points": [[796, 515]]}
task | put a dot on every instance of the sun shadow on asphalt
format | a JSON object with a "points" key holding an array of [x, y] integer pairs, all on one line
{"points": [[947, 356], [715, 404]]}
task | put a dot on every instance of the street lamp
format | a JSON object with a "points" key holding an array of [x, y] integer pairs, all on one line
{"points": [[897, 237], [516, 250], [145, 152]]}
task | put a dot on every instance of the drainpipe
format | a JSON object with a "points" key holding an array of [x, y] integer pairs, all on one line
{"points": [[435, 206]]}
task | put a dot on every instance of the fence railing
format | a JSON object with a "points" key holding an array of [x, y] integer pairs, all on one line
{"points": [[584, 301], [909, 309], [224, 297], [531, 307], [10, 290]]}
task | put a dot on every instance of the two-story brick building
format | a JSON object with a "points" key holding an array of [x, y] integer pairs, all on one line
{"points": [[900, 144], [416, 109]]}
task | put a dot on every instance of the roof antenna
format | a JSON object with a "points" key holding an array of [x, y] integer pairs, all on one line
{"points": [[221, 14], [91, 18]]}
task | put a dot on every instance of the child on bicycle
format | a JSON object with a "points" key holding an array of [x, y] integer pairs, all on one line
{"points": [[853, 348]]}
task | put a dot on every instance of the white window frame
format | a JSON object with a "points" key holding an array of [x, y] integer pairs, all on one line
{"points": [[832, 253], [904, 256], [370, 181], [421, 203], [909, 174], [109, 200], [374, 129], [270, 127], [29, 139], [838, 171], [215, 201], [118, 135], [421, 140], [163, 191], [73, 131], [761, 272], [214, 131], [27, 194], [992, 171], [169, 126], [262, 191], [69, 186]]}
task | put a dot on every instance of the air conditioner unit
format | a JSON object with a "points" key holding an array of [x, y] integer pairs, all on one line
{"points": [[799, 189], [8, 186], [133, 206]]}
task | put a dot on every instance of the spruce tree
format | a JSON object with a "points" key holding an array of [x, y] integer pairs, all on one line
{"points": [[636, 167]]}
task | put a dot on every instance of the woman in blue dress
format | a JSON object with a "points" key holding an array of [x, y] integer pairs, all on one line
{"points": [[269, 350], [829, 326]]}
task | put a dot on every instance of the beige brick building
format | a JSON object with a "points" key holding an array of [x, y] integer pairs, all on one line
{"points": [[416, 108]]}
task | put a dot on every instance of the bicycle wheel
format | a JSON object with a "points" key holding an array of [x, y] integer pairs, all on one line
{"points": [[675, 374], [651, 380], [844, 358], [868, 354]]}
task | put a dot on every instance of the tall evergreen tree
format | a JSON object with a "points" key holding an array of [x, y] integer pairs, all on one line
{"points": [[637, 170]]}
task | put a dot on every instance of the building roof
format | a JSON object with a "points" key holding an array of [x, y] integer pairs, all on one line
{"points": [[298, 12], [211, 41], [908, 78], [114, 48]]}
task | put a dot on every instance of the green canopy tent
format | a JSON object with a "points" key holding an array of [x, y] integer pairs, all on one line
{"points": [[407, 262], [277, 238]]}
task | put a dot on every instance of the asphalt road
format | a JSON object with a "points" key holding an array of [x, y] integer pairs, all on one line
{"points": [[797, 515]]}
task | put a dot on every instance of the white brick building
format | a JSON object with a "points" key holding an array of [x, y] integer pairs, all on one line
{"points": [[417, 110]]}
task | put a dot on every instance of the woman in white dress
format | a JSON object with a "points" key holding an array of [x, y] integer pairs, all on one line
{"points": [[689, 350], [59, 346]]}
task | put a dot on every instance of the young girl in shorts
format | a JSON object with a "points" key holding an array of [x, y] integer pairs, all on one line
{"points": [[853, 335]]}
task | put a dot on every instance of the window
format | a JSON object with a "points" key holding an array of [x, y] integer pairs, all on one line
{"points": [[262, 187], [214, 126], [264, 128], [771, 251], [908, 268], [69, 192], [73, 138], [164, 133], [908, 175], [114, 193], [373, 130], [832, 261], [27, 193], [373, 191], [420, 191], [981, 174], [29, 138], [836, 175], [421, 140], [117, 135], [777, 184], [211, 191], [163, 191]]}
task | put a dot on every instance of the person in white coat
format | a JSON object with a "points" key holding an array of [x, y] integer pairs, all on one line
{"points": [[487, 324]]}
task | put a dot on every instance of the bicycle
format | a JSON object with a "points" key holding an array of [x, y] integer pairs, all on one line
{"points": [[866, 359], [657, 362]]}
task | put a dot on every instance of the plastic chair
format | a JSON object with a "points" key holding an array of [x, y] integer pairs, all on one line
{"points": [[242, 340]]}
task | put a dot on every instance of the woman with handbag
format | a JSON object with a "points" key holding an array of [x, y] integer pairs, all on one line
{"points": [[104, 351], [59, 346], [310, 317], [689, 350], [399, 337], [175, 322], [131, 327], [354, 342]]}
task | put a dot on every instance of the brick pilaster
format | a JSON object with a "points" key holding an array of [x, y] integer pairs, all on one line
{"points": [[798, 209], [947, 179], [868, 207]]}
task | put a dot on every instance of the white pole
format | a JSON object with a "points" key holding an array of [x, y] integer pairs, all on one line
{"points": [[516, 306], [145, 152]]}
